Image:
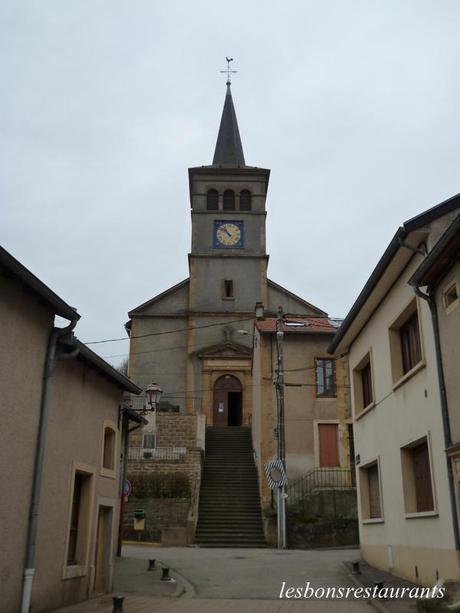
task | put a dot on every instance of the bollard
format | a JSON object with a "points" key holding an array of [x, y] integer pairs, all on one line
{"points": [[151, 565], [117, 604], [379, 585], [165, 574], [355, 568]]}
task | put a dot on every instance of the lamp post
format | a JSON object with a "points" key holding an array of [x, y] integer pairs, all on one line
{"points": [[153, 393], [281, 491]]}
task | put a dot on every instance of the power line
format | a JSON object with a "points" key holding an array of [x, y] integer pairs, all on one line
{"points": [[127, 338]]}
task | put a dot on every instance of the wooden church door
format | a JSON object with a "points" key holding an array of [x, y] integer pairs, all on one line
{"points": [[227, 403]]}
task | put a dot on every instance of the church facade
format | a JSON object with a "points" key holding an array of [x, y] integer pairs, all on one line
{"points": [[195, 339]]}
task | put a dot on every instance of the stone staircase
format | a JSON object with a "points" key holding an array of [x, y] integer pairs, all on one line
{"points": [[229, 512]]}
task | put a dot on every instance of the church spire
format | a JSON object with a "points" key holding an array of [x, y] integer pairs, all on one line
{"points": [[229, 150]]}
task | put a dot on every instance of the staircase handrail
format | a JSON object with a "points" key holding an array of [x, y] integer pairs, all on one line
{"points": [[319, 478]]}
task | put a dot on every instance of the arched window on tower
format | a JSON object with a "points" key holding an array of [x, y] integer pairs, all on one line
{"points": [[245, 200], [212, 200], [229, 200]]}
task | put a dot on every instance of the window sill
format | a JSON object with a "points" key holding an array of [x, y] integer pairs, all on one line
{"points": [[452, 306], [365, 411], [422, 514], [73, 571], [409, 374], [326, 397], [228, 298], [374, 520], [107, 472]]}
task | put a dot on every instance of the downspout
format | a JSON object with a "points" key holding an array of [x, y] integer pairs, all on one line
{"points": [[51, 357], [444, 408], [123, 479]]}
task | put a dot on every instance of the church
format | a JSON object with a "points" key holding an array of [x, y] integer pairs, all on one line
{"points": [[215, 361], [208, 318]]}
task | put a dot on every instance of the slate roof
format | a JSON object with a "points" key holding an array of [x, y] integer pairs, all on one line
{"points": [[229, 150]]}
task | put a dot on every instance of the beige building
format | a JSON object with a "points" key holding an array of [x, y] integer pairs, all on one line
{"points": [[60, 445], [318, 433], [438, 278], [405, 493]]}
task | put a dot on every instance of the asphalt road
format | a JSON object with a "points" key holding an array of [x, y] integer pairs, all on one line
{"points": [[252, 573]]}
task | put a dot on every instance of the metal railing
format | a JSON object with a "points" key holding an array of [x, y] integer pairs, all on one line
{"points": [[319, 478], [159, 453]]}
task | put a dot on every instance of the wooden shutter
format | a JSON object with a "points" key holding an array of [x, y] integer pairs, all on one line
{"points": [[328, 445], [374, 491], [422, 478]]}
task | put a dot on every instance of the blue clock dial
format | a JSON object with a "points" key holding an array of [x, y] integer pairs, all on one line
{"points": [[228, 234]]}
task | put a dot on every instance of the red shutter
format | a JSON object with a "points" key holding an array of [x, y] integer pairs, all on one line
{"points": [[328, 445], [422, 478]]}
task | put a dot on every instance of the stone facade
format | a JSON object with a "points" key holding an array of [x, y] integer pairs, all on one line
{"points": [[305, 409], [172, 431]]}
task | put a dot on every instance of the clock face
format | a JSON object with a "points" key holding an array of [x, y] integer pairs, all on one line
{"points": [[228, 234]]}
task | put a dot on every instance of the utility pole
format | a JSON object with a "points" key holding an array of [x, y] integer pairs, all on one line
{"points": [[281, 491]]}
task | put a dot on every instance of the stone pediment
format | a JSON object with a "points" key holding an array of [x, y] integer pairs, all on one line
{"points": [[226, 349]]}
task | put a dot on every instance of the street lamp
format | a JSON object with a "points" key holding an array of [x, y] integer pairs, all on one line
{"points": [[259, 311], [153, 393]]}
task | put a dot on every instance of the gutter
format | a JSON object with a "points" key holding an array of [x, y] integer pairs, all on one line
{"points": [[51, 356], [444, 406]]}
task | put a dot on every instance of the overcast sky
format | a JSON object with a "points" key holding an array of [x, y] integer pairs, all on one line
{"points": [[353, 104]]}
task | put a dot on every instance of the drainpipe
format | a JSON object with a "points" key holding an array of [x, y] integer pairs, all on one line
{"points": [[123, 480], [51, 357], [444, 408]]}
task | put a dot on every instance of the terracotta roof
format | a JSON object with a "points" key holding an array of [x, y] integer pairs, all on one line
{"points": [[303, 325]]}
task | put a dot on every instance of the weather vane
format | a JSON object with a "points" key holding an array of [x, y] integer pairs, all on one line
{"points": [[228, 71]]}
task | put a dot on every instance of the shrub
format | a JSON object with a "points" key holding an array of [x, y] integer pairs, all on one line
{"points": [[157, 485]]}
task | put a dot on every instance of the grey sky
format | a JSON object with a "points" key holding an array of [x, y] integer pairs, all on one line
{"points": [[354, 105]]}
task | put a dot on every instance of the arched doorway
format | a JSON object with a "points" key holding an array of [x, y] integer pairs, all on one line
{"points": [[228, 402]]}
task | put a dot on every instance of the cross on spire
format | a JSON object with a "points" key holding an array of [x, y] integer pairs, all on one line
{"points": [[227, 70]]}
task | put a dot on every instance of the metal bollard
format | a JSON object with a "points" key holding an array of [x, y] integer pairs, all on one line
{"points": [[165, 574], [355, 568], [151, 565], [117, 604]]}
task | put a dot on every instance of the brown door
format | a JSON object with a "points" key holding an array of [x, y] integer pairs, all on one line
{"points": [[227, 407], [328, 445], [102, 553]]}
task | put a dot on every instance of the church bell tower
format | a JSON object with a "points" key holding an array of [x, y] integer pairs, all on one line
{"points": [[228, 260]]}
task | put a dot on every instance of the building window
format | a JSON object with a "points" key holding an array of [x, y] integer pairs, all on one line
{"points": [[362, 384], [410, 343], [245, 200], [417, 482], [450, 297], [108, 457], [369, 479], [149, 441], [405, 342], [328, 442], [212, 200], [79, 524], [366, 383], [229, 200], [74, 520], [228, 288], [325, 378]]}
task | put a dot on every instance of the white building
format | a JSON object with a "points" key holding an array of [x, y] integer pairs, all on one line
{"points": [[406, 497]]}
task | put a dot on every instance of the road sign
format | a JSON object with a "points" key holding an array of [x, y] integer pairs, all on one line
{"points": [[274, 471], [127, 488]]}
